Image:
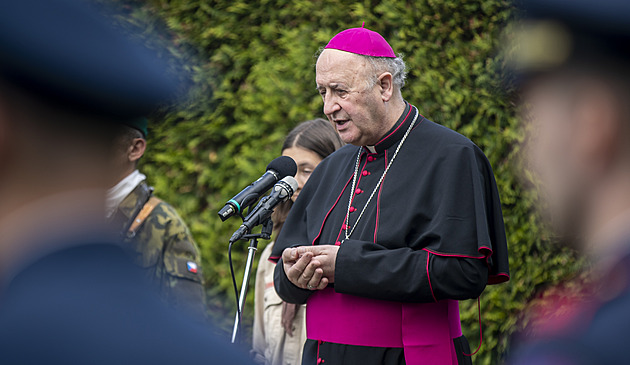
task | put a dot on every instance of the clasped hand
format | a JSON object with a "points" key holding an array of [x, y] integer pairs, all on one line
{"points": [[310, 267]]}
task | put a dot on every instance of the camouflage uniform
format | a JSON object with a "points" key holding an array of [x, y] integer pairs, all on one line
{"points": [[164, 247]]}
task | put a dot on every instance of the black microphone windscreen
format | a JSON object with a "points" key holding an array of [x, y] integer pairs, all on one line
{"points": [[284, 166]]}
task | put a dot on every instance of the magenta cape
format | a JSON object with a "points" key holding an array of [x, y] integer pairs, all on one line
{"points": [[425, 330]]}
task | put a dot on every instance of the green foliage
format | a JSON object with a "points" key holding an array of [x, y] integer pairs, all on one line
{"points": [[251, 63]]}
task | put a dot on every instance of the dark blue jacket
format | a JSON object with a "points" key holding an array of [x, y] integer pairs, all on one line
{"points": [[88, 304]]}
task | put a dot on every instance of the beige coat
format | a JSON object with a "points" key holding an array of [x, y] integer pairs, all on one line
{"points": [[272, 345]]}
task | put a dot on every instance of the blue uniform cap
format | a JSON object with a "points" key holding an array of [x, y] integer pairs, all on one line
{"points": [[556, 33], [68, 53]]}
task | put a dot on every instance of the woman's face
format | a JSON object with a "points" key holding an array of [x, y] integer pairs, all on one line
{"points": [[306, 161]]}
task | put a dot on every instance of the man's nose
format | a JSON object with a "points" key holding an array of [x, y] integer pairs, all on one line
{"points": [[330, 104]]}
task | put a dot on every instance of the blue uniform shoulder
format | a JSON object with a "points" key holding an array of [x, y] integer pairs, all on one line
{"points": [[597, 335]]}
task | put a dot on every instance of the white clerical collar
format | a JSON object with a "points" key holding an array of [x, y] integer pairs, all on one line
{"points": [[119, 192], [372, 149]]}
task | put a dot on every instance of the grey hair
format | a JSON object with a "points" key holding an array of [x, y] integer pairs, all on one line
{"points": [[395, 66]]}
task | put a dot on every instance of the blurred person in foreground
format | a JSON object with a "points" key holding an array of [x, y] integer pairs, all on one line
{"points": [[68, 292], [280, 327], [572, 59], [394, 228], [154, 234]]}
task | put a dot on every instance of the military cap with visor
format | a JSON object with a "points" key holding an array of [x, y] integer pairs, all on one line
{"points": [[68, 53], [558, 34]]}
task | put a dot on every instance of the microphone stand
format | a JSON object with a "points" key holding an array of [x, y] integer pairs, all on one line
{"points": [[265, 234]]}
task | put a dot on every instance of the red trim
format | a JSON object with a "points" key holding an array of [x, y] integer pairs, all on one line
{"points": [[360, 175], [429, 277], [486, 248], [274, 259], [420, 122], [319, 359], [492, 279], [378, 201], [341, 230], [498, 278], [345, 220], [454, 255], [329, 211], [480, 332], [411, 107]]}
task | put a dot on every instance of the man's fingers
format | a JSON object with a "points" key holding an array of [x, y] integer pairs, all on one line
{"points": [[322, 284], [308, 273], [294, 271], [315, 250], [290, 255], [315, 279], [301, 264], [323, 259]]}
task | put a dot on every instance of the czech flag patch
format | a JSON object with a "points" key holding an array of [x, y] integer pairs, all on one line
{"points": [[192, 267]]}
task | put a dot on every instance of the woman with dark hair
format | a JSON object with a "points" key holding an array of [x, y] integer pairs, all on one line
{"points": [[279, 327]]}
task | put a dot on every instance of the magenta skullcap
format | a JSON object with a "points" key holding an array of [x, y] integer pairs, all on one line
{"points": [[361, 41]]}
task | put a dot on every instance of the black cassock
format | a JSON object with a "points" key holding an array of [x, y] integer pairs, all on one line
{"points": [[433, 233]]}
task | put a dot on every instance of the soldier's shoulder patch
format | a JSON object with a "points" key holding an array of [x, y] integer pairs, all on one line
{"points": [[191, 266]]}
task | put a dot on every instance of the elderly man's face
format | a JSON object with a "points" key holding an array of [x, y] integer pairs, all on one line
{"points": [[352, 104]]}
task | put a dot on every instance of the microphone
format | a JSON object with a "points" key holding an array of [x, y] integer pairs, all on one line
{"points": [[277, 169], [282, 191]]}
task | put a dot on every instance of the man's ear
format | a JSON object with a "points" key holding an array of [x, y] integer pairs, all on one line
{"points": [[386, 84], [136, 150]]}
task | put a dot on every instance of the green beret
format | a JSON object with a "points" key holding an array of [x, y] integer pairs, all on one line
{"points": [[139, 124]]}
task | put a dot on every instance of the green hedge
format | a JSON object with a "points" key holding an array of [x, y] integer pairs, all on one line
{"points": [[252, 68]]}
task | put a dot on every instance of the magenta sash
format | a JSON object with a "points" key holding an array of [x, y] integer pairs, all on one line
{"points": [[425, 330]]}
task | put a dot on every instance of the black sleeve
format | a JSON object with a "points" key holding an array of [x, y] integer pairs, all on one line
{"points": [[369, 270], [286, 289]]}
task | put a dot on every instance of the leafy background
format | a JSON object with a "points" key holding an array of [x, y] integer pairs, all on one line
{"points": [[250, 72]]}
